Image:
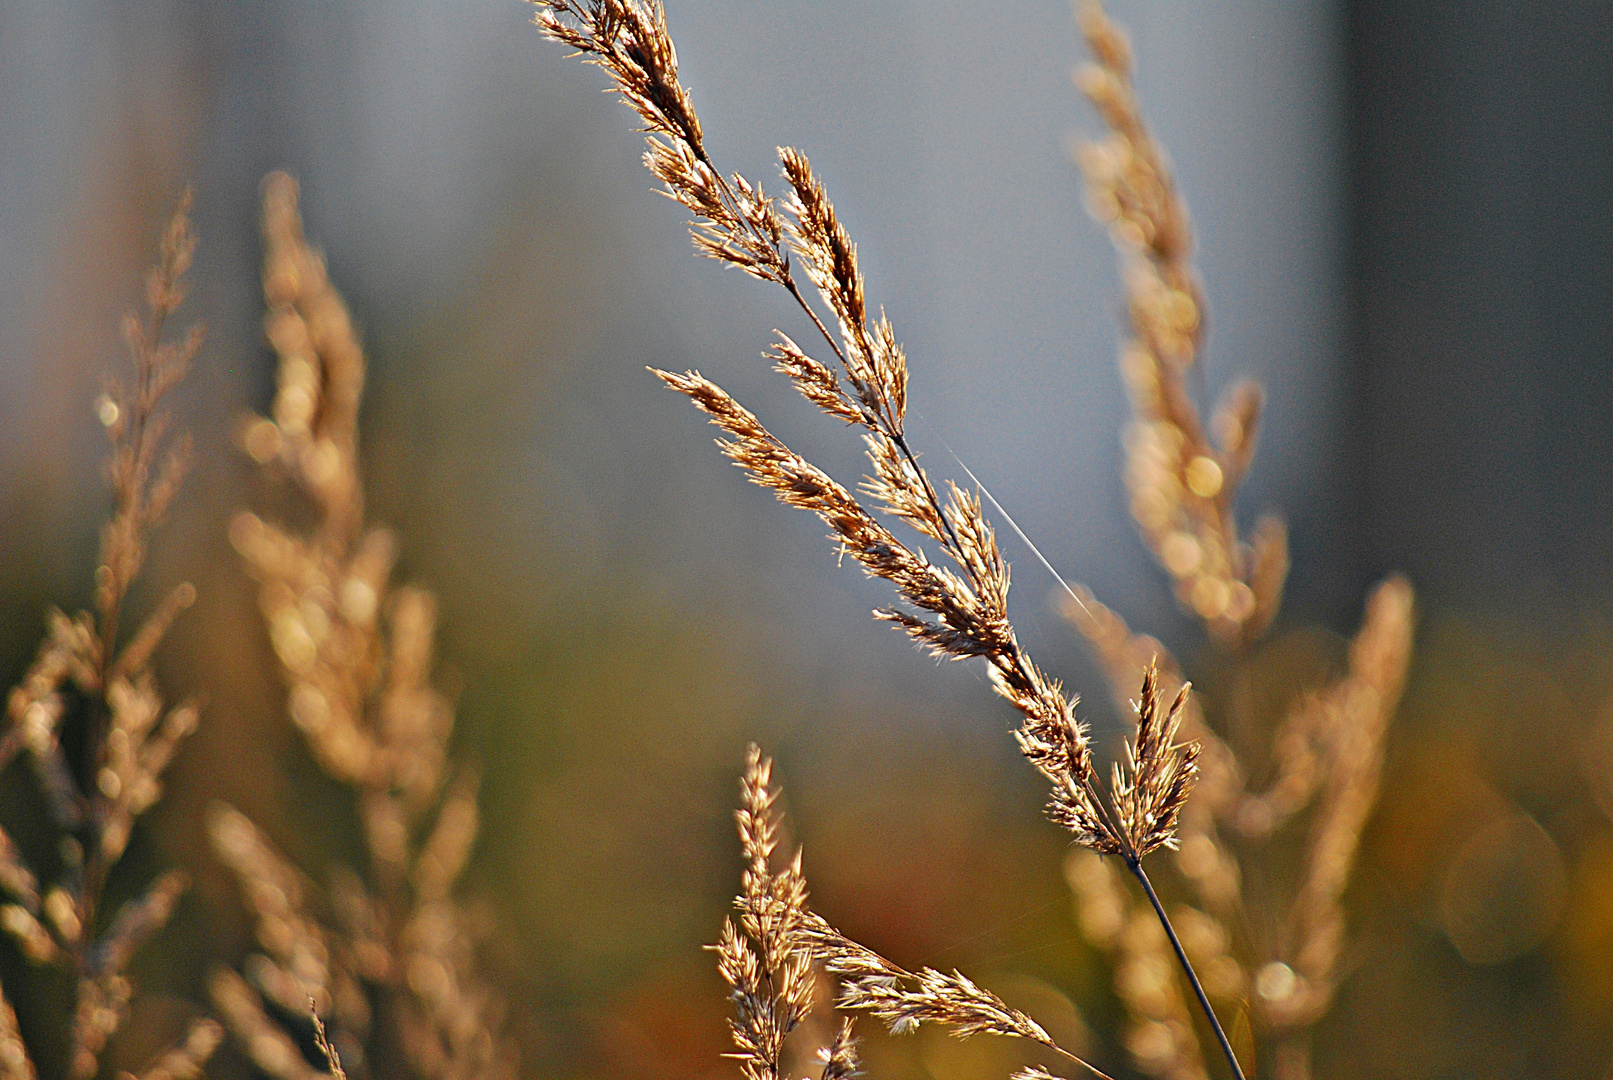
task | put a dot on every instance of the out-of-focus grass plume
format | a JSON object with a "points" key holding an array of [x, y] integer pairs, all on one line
{"points": [[392, 961], [88, 719]]}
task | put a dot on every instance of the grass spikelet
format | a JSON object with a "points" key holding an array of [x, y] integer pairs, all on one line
{"points": [[1149, 793], [734, 221], [904, 1000], [840, 1061], [765, 959]]}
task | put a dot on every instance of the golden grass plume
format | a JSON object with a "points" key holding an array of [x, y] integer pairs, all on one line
{"points": [[768, 959], [959, 608]]}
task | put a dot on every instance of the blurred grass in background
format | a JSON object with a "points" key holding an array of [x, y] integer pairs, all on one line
{"points": [[621, 613]]}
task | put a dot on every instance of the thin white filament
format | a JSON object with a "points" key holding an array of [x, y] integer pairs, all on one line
{"points": [[1021, 532]]}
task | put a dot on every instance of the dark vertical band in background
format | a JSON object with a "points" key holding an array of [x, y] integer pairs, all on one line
{"points": [[1482, 308]]}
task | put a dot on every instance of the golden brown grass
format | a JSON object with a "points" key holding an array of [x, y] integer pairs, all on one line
{"points": [[385, 954], [958, 609], [379, 962], [93, 724], [1280, 967], [768, 961]]}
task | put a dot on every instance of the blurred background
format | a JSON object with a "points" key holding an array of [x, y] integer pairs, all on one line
{"points": [[1405, 228]]}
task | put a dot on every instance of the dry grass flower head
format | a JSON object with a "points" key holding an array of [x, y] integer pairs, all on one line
{"points": [[386, 953], [768, 960], [964, 604], [89, 677], [957, 607]]}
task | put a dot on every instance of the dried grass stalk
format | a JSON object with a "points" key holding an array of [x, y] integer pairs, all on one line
{"points": [[84, 676], [964, 607], [768, 958], [957, 609], [355, 652]]}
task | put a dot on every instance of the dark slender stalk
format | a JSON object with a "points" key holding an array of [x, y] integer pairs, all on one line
{"points": [[813, 315], [1136, 867]]}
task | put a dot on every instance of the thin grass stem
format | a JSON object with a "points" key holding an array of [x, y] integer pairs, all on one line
{"points": [[1135, 865], [1083, 1062]]}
